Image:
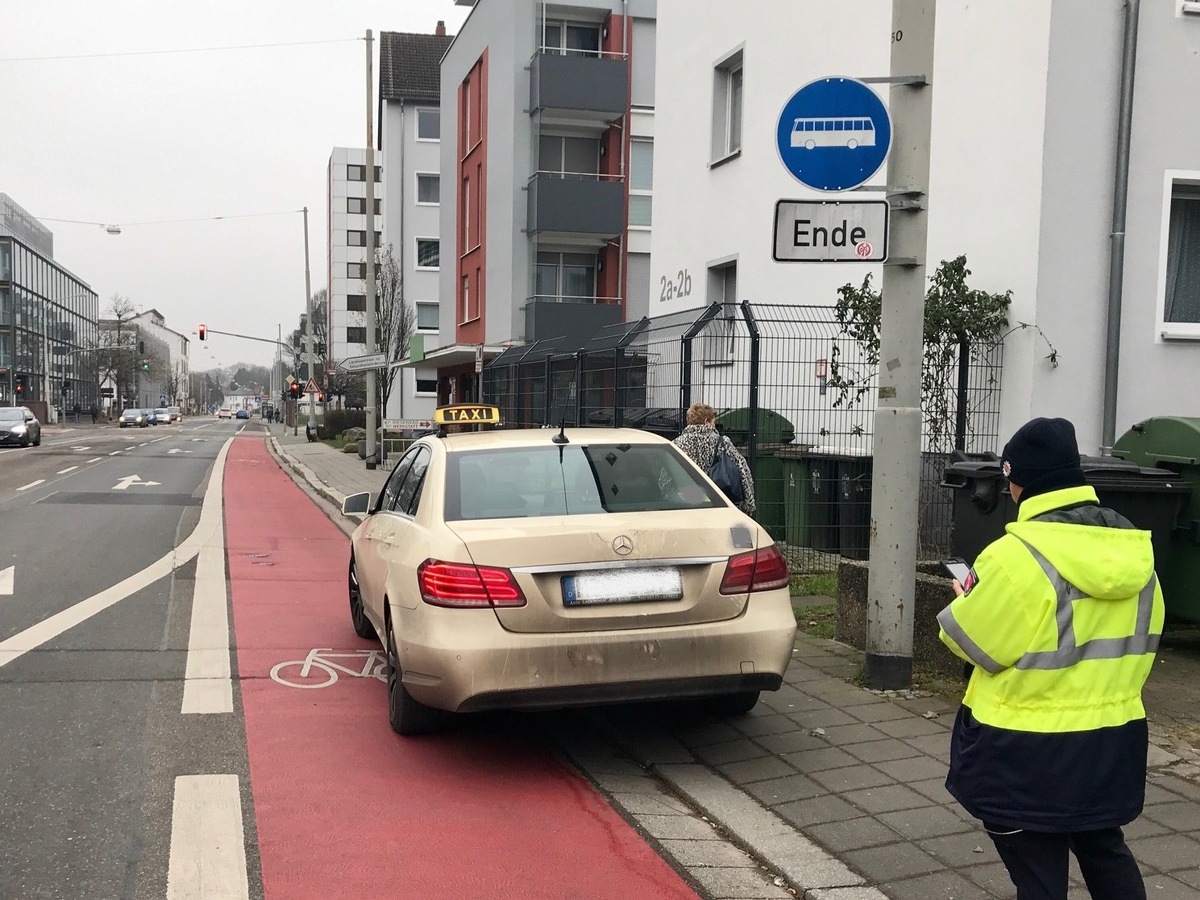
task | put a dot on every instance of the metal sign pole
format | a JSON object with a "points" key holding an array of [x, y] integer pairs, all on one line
{"points": [[891, 582], [372, 393]]}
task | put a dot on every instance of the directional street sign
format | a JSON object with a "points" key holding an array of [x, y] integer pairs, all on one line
{"points": [[311, 387], [359, 363], [833, 134], [831, 231]]}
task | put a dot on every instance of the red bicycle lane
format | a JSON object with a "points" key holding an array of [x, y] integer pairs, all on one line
{"points": [[346, 808]]}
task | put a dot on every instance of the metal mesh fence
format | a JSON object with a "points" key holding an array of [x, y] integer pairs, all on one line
{"points": [[765, 368]]}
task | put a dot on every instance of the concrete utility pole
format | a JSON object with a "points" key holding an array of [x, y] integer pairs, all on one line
{"points": [[308, 325], [372, 424], [891, 583]]}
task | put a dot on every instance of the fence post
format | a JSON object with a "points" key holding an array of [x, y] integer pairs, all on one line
{"points": [[964, 381], [618, 407], [755, 341], [580, 376], [685, 373], [548, 392]]}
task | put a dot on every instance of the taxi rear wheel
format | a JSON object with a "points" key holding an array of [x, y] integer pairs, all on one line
{"points": [[358, 616], [405, 715]]}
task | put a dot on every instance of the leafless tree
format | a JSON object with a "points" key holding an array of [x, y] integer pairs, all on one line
{"points": [[395, 320], [116, 353]]}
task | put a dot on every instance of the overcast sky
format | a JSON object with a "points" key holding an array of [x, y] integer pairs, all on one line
{"points": [[158, 136]]}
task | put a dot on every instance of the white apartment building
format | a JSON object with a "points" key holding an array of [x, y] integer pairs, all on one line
{"points": [[1023, 164], [410, 134], [346, 246], [176, 381]]}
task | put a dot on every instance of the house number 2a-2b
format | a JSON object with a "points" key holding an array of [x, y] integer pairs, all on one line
{"points": [[680, 286]]}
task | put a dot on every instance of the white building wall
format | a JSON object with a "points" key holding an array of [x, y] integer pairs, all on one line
{"points": [[340, 253]]}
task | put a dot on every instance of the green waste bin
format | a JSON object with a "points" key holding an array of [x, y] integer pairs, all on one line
{"points": [[771, 507], [773, 428], [796, 489], [1151, 498], [1173, 443]]}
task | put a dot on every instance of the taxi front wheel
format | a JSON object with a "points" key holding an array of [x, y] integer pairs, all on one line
{"points": [[405, 715]]}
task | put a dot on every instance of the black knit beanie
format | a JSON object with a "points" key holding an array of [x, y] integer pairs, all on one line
{"points": [[1043, 456]]}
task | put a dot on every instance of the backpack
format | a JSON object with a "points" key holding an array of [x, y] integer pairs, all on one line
{"points": [[725, 473]]}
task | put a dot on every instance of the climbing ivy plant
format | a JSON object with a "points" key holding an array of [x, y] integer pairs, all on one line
{"points": [[956, 317]]}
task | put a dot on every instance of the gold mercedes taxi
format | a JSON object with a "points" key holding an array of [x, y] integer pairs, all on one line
{"points": [[533, 568]]}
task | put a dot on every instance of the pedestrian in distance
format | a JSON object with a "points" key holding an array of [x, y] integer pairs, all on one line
{"points": [[93, 412], [1061, 618], [713, 452]]}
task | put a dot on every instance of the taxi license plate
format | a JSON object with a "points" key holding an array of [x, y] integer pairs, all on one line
{"points": [[623, 586]]}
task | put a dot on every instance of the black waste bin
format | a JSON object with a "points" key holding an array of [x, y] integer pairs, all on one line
{"points": [[1150, 498], [854, 506]]}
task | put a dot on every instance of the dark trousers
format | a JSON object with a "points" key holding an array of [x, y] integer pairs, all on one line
{"points": [[1038, 863]]}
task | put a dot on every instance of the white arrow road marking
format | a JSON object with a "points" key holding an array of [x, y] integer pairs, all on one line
{"points": [[177, 450], [32, 484], [66, 470], [133, 480], [208, 847], [7, 577], [209, 529]]}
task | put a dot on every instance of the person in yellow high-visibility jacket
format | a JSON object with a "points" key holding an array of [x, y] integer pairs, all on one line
{"points": [[1061, 618]]}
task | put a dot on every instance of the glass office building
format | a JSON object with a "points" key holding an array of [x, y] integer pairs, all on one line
{"points": [[46, 313]]}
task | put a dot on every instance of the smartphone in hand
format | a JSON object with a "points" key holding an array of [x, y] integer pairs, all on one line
{"points": [[960, 571]]}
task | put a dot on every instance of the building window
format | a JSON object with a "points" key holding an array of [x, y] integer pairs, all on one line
{"points": [[719, 334], [426, 386], [466, 298], [356, 302], [378, 176], [465, 215], [564, 156], [428, 253], [356, 205], [356, 239], [565, 276], [429, 189], [356, 173], [427, 316], [573, 38], [466, 110], [727, 107], [356, 335], [641, 181], [1182, 301], [429, 125], [356, 270]]}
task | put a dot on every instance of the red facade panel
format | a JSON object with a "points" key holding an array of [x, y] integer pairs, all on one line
{"points": [[470, 236]]}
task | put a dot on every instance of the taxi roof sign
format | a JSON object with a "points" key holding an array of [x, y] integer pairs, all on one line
{"points": [[467, 414]]}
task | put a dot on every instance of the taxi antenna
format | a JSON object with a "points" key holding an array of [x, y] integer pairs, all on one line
{"points": [[561, 437]]}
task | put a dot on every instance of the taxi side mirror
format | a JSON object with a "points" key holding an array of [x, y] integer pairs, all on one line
{"points": [[356, 504]]}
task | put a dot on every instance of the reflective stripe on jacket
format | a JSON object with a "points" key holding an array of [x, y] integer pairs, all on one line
{"points": [[1062, 627]]}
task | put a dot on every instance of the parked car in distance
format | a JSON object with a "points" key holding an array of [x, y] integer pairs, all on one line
{"points": [[224, 413], [133, 418], [176, 413], [18, 425], [242, 414]]}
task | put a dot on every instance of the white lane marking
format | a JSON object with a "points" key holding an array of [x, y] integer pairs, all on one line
{"points": [[207, 686], [97, 459], [177, 450], [7, 578], [208, 845], [156, 440], [210, 524], [80, 449], [143, 443], [66, 470], [32, 484], [114, 453], [134, 480]]}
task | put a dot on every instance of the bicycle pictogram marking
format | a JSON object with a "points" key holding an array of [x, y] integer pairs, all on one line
{"points": [[319, 669]]}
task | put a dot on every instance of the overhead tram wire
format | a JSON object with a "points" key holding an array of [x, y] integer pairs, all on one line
{"points": [[176, 50], [282, 212]]}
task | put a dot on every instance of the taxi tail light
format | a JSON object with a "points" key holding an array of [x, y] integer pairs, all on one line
{"points": [[755, 570], [465, 586]]}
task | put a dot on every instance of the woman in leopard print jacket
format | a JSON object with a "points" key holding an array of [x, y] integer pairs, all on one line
{"points": [[699, 441]]}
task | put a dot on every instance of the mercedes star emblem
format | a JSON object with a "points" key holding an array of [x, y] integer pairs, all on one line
{"points": [[623, 545]]}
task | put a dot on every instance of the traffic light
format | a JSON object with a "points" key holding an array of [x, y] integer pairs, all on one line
{"points": [[19, 386], [294, 390], [203, 331], [145, 365]]}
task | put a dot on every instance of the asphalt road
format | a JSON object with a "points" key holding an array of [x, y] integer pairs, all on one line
{"points": [[93, 737]]}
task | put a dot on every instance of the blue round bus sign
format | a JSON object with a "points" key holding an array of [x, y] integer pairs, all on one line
{"points": [[833, 134]]}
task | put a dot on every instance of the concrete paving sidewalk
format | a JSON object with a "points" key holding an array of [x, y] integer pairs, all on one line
{"points": [[826, 790]]}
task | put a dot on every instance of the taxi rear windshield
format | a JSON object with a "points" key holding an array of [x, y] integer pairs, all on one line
{"points": [[572, 479]]}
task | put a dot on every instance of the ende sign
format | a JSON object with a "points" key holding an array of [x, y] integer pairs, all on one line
{"points": [[831, 231]]}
